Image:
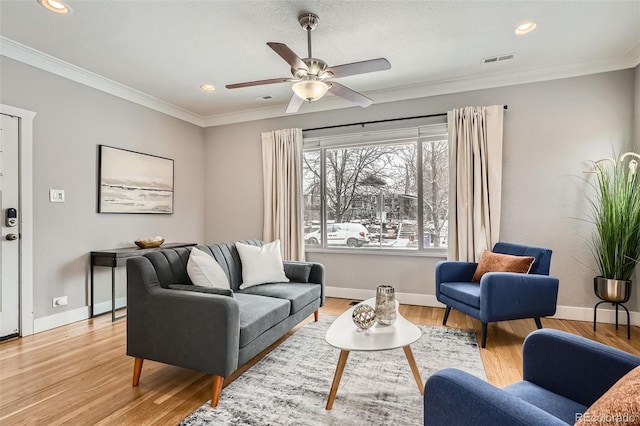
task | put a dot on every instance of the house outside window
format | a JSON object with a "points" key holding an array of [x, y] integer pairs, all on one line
{"points": [[378, 190]]}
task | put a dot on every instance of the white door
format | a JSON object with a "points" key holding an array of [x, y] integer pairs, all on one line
{"points": [[9, 238]]}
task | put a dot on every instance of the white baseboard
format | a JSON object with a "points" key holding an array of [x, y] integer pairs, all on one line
{"points": [[361, 294], [74, 315], [605, 314], [101, 307], [58, 320], [574, 313]]}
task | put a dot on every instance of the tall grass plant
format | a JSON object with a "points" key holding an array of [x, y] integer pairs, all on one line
{"points": [[615, 211]]}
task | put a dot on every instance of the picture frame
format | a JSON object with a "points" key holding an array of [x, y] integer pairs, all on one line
{"points": [[134, 182]]}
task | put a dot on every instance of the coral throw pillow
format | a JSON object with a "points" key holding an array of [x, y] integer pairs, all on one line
{"points": [[619, 405], [496, 262]]}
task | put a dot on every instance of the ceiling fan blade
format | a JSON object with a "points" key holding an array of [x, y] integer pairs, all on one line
{"points": [[349, 94], [294, 104], [259, 82], [361, 67], [288, 55]]}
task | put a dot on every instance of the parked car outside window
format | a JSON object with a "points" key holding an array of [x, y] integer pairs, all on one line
{"points": [[345, 234]]}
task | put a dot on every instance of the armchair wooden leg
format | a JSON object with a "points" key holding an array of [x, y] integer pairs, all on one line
{"points": [[217, 390], [538, 323], [484, 335], [315, 316], [137, 369], [446, 315]]}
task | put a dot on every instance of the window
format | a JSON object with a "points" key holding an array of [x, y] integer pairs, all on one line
{"points": [[377, 190]]}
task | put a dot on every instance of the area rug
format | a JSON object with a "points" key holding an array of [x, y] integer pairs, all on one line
{"points": [[290, 385]]}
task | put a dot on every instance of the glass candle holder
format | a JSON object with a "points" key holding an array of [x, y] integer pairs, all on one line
{"points": [[385, 305]]}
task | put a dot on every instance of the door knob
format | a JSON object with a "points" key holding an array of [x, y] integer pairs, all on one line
{"points": [[12, 237]]}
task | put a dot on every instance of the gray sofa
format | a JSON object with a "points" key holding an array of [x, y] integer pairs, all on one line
{"points": [[213, 333]]}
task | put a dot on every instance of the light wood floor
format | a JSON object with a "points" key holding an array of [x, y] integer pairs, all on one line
{"points": [[79, 374]]}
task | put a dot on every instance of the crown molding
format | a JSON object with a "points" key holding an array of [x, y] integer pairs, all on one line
{"points": [[41, 60], [25, 54]]}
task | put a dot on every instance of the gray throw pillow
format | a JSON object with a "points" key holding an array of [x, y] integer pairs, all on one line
{"points": [[199, 289], [297, 271]]}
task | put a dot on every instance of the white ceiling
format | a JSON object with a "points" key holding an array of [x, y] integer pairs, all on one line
{"points": [[158, 53]]}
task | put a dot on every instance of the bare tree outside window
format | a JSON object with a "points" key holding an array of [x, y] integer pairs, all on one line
{"points": [[311, 188], [435, 172]]}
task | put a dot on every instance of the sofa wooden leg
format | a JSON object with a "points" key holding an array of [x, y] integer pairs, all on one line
{"points": [[137, 369], [217, 390], [484, 335], [315, 316], [446, 315], [538, 323]]}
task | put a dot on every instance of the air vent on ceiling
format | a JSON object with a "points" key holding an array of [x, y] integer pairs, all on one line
{"points": [[264, 98], [498, 58]]}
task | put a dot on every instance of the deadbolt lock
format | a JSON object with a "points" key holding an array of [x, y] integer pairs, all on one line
{"points": [[11, 217]]}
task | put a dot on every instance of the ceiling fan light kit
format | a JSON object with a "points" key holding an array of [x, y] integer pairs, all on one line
{"points": [[310, 90], [309, 74]]}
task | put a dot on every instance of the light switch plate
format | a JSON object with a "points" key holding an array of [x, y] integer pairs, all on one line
{"points": [[56, 195]]}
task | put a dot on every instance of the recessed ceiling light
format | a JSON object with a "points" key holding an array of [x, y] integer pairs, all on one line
{"points": [[56, 6], [208, 87], [526, 27]]}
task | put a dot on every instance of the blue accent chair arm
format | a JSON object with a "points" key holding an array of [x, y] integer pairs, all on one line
{"points": [[453, 271], [454, 397], [507, 296], [577, 368]]}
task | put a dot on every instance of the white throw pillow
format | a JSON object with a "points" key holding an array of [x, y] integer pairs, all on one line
{"points": [[261, 265], [204, 271]]}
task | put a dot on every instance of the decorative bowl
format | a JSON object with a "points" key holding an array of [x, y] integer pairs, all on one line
{"points": [[150, 243]]}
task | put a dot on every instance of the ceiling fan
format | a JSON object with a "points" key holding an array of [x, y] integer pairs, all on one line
{"points": [[311, 74]]}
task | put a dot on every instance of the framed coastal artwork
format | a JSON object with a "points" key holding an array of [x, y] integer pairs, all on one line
{"points": [[133, 182]]}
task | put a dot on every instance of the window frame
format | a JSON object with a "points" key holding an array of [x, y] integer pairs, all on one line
{"points": [[419, 135]]}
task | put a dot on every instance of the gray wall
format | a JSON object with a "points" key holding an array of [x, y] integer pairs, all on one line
{"points": [[71, 121], [636, 120], [551, 129]]}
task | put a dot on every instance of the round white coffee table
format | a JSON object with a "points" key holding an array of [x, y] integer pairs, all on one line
{"points": [[344, 335]]}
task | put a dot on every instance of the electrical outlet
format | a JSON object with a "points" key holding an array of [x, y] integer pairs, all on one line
{"points": [[59, 301]]}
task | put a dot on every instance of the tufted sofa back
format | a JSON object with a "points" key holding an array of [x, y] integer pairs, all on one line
{"points": [[171, 264]]}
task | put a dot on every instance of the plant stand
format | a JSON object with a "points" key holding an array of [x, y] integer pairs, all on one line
{"points": [[616, 292], [595, 313]]}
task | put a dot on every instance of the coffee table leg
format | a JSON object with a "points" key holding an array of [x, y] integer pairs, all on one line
{"points": [[414, 367], [342, 361]]}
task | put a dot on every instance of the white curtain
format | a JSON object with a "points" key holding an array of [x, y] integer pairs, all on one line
{"points": [[282, 172], [475, 180]]}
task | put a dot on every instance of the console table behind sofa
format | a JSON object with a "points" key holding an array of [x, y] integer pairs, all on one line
{"points": [[118, 257]]}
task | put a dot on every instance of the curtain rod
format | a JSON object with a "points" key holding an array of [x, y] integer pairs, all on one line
{"points": [[362, 123]]}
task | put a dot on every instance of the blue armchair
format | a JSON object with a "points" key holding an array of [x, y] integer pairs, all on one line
{"points": [[563, 375], [499, 296]]}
